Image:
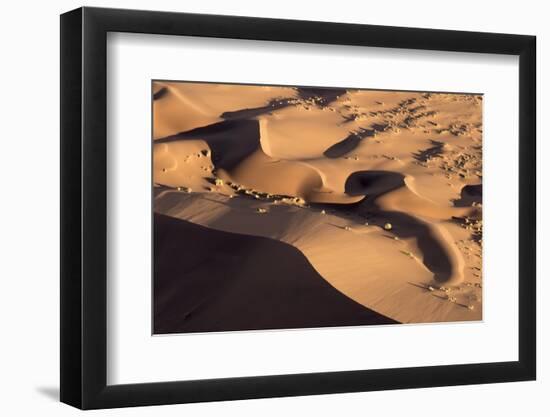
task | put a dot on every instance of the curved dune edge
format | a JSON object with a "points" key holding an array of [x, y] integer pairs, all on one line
{"points": [[394, 196], [204, 104], [276, 288], [391, 193], [362, 263], [301, 151]]}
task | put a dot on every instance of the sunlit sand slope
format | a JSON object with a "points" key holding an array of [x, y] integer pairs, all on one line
{"points": [[381, 191], [229, 294]]}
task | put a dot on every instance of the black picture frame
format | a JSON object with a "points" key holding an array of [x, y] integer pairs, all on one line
{"points": [[84, 207]]}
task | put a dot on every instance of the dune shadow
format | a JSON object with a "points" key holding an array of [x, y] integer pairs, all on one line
{"points": [[377, 183], [470, 194], [348, 144], [322, 96], [229, 141], [273, 105], [238, 136], [434, 256], [434, 151], [207, 280]]}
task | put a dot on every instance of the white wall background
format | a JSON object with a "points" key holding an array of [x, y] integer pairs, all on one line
{"points": [[29, 237]]}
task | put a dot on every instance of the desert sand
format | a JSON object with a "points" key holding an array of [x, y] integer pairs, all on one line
{"points": [[379, 192]]}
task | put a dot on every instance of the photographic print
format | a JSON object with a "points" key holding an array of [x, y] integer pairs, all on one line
{"points": [[285, 207]]}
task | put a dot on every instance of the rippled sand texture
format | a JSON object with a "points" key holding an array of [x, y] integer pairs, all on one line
{"points": [[379, 190]]}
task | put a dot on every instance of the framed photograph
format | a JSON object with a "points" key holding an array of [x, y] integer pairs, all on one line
{"points": [[257, 208]]}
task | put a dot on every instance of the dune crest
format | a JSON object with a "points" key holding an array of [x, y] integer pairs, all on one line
{"points": [[270, 300], [204, 104], [379, 190]]}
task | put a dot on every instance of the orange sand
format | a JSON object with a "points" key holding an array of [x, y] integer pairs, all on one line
{"points": [[325, 171]]}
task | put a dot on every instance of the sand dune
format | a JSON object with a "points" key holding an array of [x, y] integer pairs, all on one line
{"points": [[231, 295], [199, 108], [381, 191], [363, 262]]}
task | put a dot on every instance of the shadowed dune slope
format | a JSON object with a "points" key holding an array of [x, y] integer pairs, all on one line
{"points": [[222, 138], [273, 287], [205, 104], [380, 190]]}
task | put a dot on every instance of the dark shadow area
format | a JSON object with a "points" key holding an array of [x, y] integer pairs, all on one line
{"points": [[377, 183], [373, 183], [348, 144], [161, 93], [206, 280], [230, 141], [433, 152], [469, 195], [258, 111], [435, 258], [321, 96]]}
